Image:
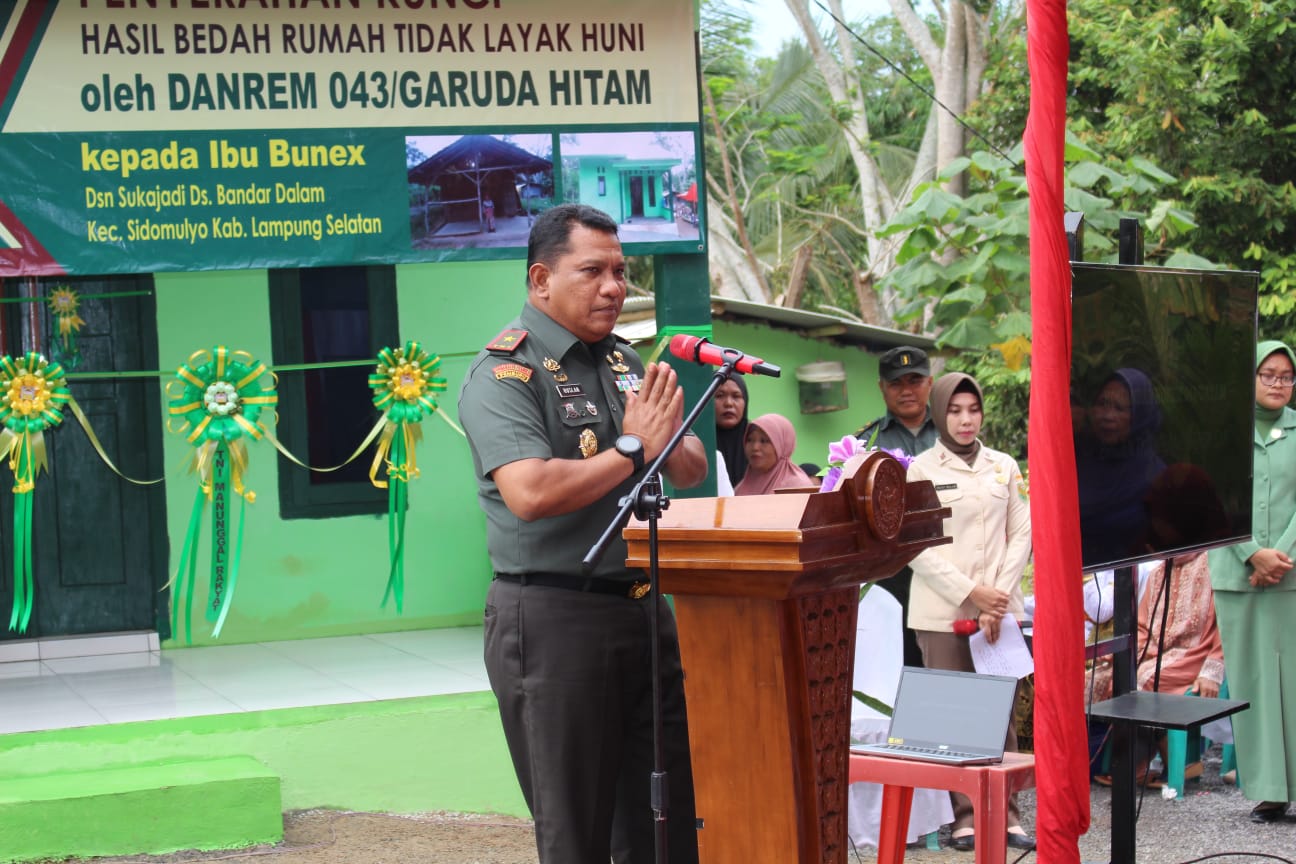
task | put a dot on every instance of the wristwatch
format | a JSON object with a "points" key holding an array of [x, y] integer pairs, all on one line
{"points": [[631, 447]]}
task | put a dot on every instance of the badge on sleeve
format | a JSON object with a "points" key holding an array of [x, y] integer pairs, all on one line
{"points": [[512, 370], [507, 341]]}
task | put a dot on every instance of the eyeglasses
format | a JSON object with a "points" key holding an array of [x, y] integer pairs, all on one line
{"points": [[1275, 380]]}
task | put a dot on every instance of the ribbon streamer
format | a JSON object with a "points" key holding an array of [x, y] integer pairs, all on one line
{"points": [[216, 401], [404, 385], [33, 392]]}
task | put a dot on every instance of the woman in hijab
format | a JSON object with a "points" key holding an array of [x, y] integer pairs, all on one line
{"points": [[1116, 463], [978, 576], [769, 445], [1255, 598], [731, 427]]}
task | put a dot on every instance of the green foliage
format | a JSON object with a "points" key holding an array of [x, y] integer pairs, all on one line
{"points": [[964, 265], [790, 174], [1203, 88]]}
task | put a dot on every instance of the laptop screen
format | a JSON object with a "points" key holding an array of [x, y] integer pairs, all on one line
{"points": [[961, 710]]}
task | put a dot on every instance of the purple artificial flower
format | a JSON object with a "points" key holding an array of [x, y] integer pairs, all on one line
{"points": [[840, 451], [902, 457], [831, 477]]}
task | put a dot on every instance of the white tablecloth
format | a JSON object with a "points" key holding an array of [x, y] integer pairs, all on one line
{"points": [[879, 654]]}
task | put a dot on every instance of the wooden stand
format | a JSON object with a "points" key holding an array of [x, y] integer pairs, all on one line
{"points": [[766, 593]]}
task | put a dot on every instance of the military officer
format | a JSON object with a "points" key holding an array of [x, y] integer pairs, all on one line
{"points": [[561, 417]]}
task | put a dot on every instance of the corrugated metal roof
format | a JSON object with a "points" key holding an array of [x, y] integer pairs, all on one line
{"points": [[638, 325]]}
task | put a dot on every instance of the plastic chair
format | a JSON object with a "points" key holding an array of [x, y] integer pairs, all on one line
{"points": [[1181, 742]]}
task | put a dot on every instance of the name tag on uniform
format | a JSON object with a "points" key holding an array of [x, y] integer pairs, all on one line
{"points": [[945, 487], [569, 391]]}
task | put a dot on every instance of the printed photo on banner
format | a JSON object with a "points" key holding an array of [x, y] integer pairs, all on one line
{"points": [[474, 191], [646, 181]]}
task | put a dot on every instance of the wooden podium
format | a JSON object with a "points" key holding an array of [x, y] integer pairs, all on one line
{"points": [[766, 592]]}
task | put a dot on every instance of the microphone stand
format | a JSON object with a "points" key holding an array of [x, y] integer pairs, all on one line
{"points": [[647, 503]]}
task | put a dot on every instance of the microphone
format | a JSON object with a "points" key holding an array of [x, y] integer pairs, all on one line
{"points": [[703, 351]]}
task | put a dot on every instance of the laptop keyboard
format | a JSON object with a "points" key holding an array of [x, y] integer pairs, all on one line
{"points": [[931, 751]]}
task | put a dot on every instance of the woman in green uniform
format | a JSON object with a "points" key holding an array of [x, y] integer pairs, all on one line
{"points": [[1255, 598]]}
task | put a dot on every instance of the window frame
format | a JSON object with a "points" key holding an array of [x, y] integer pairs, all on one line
{"points": [[298, 497]]}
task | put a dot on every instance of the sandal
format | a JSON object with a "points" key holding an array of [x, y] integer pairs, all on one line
{"points": [[1152, 781]]}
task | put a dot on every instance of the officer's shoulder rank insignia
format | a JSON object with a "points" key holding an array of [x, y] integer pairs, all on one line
{"points": [[512, 370], [507, 341]]}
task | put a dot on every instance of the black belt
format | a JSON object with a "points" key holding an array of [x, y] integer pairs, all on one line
{"points": [[590, 584]]}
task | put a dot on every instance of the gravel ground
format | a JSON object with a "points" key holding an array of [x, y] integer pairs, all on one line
{"points": [[1209, 822]]}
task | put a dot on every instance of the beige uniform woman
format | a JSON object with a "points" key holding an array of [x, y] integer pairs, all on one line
{"points": [[978, 576]]}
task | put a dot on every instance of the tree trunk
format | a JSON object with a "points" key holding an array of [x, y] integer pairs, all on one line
{"points": [[731, 197]]}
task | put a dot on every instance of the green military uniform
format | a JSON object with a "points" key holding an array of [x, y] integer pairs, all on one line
{"points": [[576, 704], [1255, 624], [541, 393], [888, 433]]}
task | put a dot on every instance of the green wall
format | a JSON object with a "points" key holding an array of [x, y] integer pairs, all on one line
{"points": [[305, 578], [788, 350]]}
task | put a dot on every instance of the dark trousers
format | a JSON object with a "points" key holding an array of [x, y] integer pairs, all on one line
{"points": [[951, 652], [898, 587], [572, 673]]}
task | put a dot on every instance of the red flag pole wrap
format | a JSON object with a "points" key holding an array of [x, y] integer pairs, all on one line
{"points": [[1061, 766]]}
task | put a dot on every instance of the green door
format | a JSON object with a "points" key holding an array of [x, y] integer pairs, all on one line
{"points": [[99, 548]]}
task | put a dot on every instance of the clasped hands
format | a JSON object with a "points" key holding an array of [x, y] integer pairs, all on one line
{"points": [[655, 412], [1268, 567], [993, 605]]}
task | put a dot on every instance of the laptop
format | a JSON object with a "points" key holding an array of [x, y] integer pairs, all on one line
{"points": [[958, 718]]}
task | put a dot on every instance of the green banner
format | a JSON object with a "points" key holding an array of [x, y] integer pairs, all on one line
{"points": [[153, 135]]}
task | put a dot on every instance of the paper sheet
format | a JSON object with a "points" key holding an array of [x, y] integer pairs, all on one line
{"points": [[1008, 656]]}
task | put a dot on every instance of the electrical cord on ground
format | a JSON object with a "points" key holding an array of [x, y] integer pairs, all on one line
{"points": [[1264, 855]]}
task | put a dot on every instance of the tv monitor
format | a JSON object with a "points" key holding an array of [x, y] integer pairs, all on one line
{"points": [[1163, 409]]}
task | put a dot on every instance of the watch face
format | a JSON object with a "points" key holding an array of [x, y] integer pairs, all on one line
{"points": [[632, 448]]}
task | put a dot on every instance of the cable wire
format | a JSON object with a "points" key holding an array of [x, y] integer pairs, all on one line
{"points": [[921, 89]]}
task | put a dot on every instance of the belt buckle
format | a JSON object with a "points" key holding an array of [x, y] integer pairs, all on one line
{"points": [[638, 590]]}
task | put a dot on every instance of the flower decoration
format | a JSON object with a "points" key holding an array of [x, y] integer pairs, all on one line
{"points": [[839, 452], [33, 393], [218, 396], [63, 305], [221, 399], [404, 385], [216, 400]]}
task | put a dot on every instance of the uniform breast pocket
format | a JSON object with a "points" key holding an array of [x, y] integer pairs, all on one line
{"points": [[581, 424], [998, 486], [948, 493]]}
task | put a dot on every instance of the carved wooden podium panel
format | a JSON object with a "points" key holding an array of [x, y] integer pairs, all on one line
{"points": [[766, 595]]}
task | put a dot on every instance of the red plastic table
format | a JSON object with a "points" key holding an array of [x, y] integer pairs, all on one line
{"points": [[987, 785]]}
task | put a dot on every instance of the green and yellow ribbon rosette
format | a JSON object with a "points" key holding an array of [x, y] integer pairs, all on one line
{"points": [[33, 392], [404, 385], [216, 401]]}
